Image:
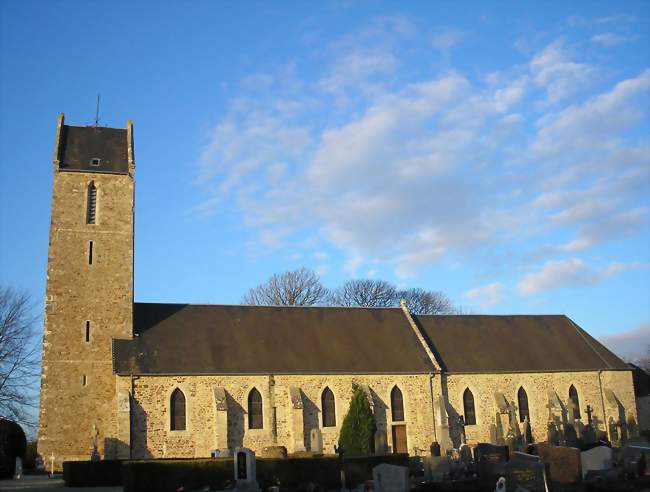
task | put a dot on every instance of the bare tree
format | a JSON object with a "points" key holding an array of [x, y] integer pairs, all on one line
{"points": [[300, 287], [420, 301], [18, 355], [367, 293]]}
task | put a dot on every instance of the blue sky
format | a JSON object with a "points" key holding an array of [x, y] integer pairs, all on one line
{"points": [[497, 152]]}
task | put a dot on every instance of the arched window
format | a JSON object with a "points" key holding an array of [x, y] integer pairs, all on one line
{"points": [[329, 408], [396, 405], [177, 410], [522, 398], [573, 396], [468, 406], [92, 203], [255, 420]]}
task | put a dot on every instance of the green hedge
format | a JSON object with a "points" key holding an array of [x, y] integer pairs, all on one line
{"points": [[104, 473], [169, 475]]}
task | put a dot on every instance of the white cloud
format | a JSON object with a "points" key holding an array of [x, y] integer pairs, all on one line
{"points": [[572, 272], [631, 344], [609, 39], [406, 171], [557, 74], [595, 124], [444, 39], [487, 295]]}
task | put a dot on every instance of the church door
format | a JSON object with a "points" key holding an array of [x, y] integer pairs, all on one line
{"points": [[399, 439]]}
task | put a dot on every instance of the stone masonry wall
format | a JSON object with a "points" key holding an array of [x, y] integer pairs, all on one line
{"points": [[537, 385], [76, 292], [151, 436]]}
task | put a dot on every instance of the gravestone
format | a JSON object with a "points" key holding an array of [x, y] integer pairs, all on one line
{"points": [[381, 443], [525, 473], [490, 459], [570, 435], [245, 470], [564, 464], [528, 432], [636, 459], [273, 452], [553, 435], [465, 454], [391, 478], [434, 449], [316, 441], [18, 471], [598, 458], [436, 468]]}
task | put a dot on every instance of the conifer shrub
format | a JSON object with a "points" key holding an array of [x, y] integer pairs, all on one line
{"points": [[358, 429]]}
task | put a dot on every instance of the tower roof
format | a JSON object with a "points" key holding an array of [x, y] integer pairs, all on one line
{"points": [[93, 149]]}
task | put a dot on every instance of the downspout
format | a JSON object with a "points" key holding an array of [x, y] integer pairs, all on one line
{"points": [[602, 403], [432, 358], [433, 407]]}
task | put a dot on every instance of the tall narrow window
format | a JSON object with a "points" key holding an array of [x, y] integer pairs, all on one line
{"points": [[255, 420], [468, 406], [87, 331], [329, 408], [177, 410], [573, 396], [84, 380], [396, 405], [90, 252], [92, 203], [522, 398]]}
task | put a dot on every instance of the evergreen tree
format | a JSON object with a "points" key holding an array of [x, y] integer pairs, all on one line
{"points": [[358, 429]]}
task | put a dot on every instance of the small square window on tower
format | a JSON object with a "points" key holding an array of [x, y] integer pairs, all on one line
{"points": [[95, 161]]}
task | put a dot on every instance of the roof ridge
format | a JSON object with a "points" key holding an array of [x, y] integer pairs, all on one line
{"points": [[589, 344]]}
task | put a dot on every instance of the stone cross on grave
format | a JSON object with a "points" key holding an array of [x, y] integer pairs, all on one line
{"points": [[589, 411], [461, 429], [571, 406]]}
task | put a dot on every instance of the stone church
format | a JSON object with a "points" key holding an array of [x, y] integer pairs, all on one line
{"points": [[127, 379]]}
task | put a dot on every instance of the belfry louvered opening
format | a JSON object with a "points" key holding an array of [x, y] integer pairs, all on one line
{"points": [[91, 211]]}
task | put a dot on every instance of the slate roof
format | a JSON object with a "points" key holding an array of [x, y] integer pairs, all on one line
{"points": [[80, 144], [216, 339], [528, 343]]}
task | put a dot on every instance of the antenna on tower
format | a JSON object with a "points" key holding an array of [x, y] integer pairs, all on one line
{"points": [[97, 112]]}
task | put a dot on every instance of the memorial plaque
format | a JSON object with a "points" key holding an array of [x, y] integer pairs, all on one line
{"points": [[564, 464], [491, 459], [525, 473]]}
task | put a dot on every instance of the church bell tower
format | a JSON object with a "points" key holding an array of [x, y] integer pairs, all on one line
{"points": [[89, 291]]}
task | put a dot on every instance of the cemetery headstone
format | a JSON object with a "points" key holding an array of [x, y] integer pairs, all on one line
{"points": [[316, 441], [564, 464], [18, 471], [632, 426], [598, 458], [245, 470], [570, 435], [490, 459], [525, 473], [465, 453], [499, 430], [436, 468], [273, 452], [381, 443], [528, 431], [391, 478], [636, 459], [435, 448], [553, 436], [501, 485]]}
